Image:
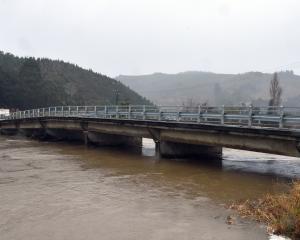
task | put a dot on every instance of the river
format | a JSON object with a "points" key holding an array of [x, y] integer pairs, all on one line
{"points": [[68, 191]]}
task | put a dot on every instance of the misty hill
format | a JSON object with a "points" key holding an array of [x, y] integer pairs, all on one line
{"points": [[219, 89], [29, 83]]}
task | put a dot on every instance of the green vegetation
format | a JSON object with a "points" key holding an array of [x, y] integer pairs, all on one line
{"points": [[281, 212], [30, 83]]}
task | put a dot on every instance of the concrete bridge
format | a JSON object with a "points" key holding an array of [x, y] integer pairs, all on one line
{"points": [[177, 131]]}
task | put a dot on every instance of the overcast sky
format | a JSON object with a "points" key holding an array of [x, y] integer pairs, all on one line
{"points": [[144, 36]]}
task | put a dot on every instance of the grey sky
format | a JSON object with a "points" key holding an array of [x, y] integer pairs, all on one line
{"points": [[144, 36]]}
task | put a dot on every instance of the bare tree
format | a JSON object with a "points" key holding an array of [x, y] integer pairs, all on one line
{"points": [[275, 91], [190, 105]]}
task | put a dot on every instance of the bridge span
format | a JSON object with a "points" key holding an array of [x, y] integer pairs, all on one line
{"points": [[177, 131]]}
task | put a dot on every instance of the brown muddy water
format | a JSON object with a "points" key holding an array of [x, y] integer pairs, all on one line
{"points": [[66, 191]]}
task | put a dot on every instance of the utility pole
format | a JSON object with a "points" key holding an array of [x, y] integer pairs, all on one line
{"points": [[116, 92]]}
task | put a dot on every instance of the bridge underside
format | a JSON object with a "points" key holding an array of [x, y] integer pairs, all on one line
{"points": [[173, 139], [86, 137], [184, 150]]}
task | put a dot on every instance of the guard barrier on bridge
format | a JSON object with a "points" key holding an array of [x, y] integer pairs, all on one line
{"points": [[275, 117]]}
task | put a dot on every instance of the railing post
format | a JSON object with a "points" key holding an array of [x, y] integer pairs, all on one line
{"points": [[117, 111], [281, 120], [129, 112], [105, 111], [43, 112], [77, 111], [95, 111], [159, 114], [222, 114], [178, 115], [250, 111], [199, 114], [144, 112], [55, 111]]}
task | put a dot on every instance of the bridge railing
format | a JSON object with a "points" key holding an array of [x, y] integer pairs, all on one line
{"points": [[275, 117]]}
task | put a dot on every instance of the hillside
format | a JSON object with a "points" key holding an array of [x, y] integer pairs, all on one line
{"points": [[170, 89], [30, 83]]}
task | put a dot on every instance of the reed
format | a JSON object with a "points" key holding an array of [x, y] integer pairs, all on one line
{"points": [[281, 212]]}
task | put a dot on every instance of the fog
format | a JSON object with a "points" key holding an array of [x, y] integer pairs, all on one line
{"points": [[144, 36]]}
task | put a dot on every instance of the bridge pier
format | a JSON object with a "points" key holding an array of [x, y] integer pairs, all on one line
{"points": [[183, 150], [62, 134], [33, 133], [9, 131], [103, 139]]}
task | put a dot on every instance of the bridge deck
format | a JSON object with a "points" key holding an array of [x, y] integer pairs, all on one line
{"points": [[279, 134]]}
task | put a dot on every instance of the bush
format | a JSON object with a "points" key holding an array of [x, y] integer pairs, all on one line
{"points": [[280, 212]]}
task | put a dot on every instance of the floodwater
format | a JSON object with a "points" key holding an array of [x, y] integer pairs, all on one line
{"points": [[67, 191]]}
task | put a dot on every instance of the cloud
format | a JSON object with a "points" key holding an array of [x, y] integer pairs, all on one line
{"points": [[142, 36]]}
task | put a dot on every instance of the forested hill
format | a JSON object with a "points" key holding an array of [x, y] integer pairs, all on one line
{"points": [[214, 88], [29, 83]]}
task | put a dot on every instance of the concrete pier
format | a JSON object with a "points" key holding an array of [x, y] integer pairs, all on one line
{"points": [[103, 139], [184, 150], [64, 135]]}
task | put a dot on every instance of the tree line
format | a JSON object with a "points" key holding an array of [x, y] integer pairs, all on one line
{"points": [[27, 83]]}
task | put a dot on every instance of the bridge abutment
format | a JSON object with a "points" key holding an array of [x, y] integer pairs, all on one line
{"points": [[183, 150]]}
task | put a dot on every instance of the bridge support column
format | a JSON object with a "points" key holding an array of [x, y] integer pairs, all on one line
{"points": [[61, 134], [102, 139], [86, 137], [33, 133], [9, 131], [183, 150]]}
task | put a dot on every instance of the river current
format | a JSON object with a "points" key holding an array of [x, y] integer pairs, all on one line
{"points": [[68, 191]]}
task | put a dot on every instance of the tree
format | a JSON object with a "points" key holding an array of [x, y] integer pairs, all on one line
{"points": [[30, 86], [275, 91]]}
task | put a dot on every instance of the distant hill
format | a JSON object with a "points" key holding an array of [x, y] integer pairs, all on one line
{"points": [[219, 89], [30, 83]]}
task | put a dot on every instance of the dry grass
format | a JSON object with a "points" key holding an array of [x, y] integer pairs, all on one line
{"points": [[280, 212]]}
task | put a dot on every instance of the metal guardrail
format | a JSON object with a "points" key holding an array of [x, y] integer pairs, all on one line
{"points": [[275, 117]]}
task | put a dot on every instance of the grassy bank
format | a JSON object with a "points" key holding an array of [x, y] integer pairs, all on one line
{"points": [[280, 212]]}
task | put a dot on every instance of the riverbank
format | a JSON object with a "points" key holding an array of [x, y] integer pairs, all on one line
{"points": [[281, 212]]}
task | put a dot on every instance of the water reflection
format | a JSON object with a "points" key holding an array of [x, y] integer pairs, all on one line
{"points": [[281, 166]]}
